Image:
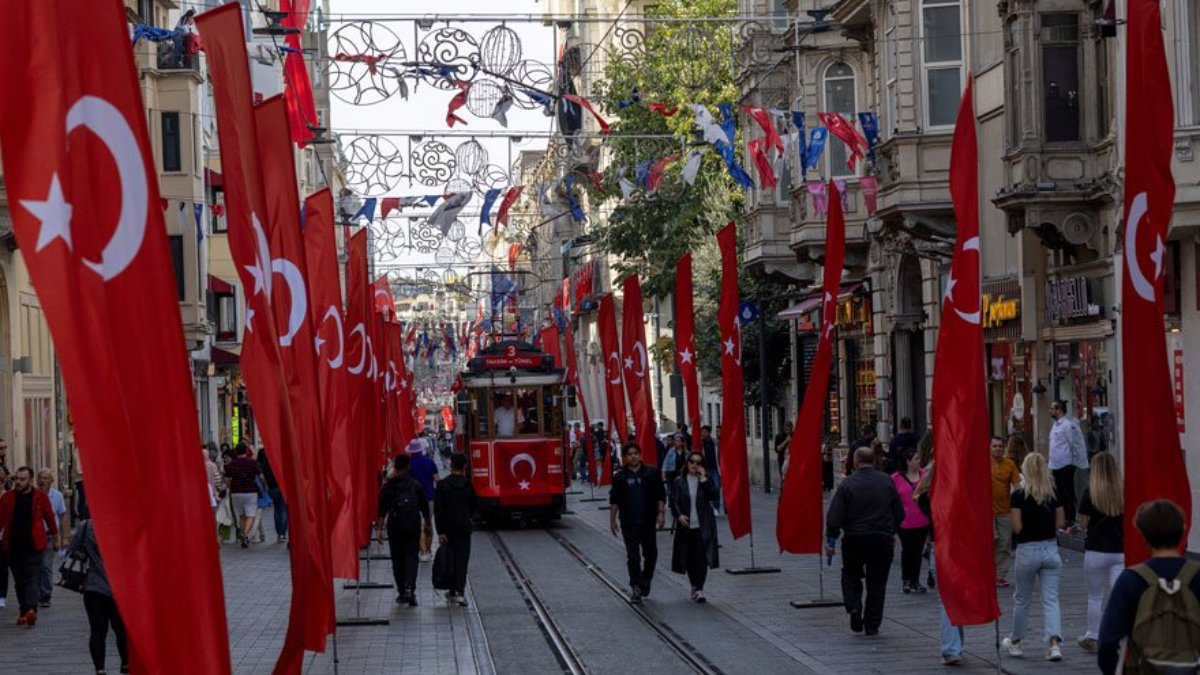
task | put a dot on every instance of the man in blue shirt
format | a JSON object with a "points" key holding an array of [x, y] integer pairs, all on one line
{"points": [[423, 470], [45, 481]]}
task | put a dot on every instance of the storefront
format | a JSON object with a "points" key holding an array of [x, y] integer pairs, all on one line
{"points": [[1080, 352], [1009, 360], [856, 352]]}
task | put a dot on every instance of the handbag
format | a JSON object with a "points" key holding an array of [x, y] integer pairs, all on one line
{"points": [[74, 569], [443, 569]]}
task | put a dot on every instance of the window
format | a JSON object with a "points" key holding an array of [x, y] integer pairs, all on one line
{"points": [[226, 317], [171, 140], [1060, 77], [38, 432], [941, 33], [839, 98], [219, 224], [516, 412], [1012, 107], [145, 9], [175, 242], [1187, 54], [891, 59]]}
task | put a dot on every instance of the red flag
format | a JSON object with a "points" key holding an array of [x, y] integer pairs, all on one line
{"points": [[1154, 464], [662, 109], [130, 391], [405, 396], [763, 117], [960, 495], [459, 100], [613, 394], [838, 126], [510, 197], [550, 344], [587, 105], [766, 172], [325, 312], [382, 299], [685, 341], [264, 365], [358, 358], [302, 109], [514, 250], [798, 523], [572, 377], [735, 475], [637, 365], [448, 418]]}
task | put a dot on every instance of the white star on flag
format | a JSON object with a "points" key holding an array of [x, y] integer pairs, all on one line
{"points": [[685, 356], [628, 363], [949, 289], [729, 346], [54, 214], [524, 485]]}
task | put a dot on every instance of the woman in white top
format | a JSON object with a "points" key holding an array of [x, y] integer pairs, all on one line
{"points": [[695, 547]]}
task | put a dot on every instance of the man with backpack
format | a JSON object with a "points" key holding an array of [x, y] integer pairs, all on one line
{"points": [[1155, 606], [402, 505]]}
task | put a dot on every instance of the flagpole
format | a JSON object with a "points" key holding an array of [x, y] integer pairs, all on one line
{"points": [[820, 600], [358, 619], [753, 568]]}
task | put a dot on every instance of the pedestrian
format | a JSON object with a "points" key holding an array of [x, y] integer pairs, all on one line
{"points": [[914, 530], [1068, 452], [951, 636], [712, 465], [27, 520], [243, 473], [905, 439], [694, 549], [4, 480], [672, 467], [1016, 449], [865, 440], [1154, 607], [827, 451], [1036, 515], [453, 509], [45, 481], [638, 502], [1102, 514], [867, 508], [423, 470], [212, 471], [98, 602], [404, 511], [1005, 478], [925, 449], [279, 509], [783, 439]]}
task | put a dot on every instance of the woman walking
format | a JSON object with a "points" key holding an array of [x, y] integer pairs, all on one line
{"points": [[1036, 517], [695, 547], [914, 530], [98, 601], [1016, 449], [1101, 512]]}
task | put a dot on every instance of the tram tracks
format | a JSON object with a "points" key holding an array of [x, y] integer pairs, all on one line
{"points": [[564, 651]]}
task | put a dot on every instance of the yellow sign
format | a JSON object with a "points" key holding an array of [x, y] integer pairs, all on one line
{"points": [[235, 427], [1000, 309]]}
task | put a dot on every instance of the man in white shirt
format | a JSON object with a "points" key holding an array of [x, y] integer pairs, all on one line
{"points": [[1068, 451], [45, 481], [505, 416]]}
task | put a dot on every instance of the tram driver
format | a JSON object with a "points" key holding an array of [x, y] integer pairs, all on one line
{"points": [[505, 415]]}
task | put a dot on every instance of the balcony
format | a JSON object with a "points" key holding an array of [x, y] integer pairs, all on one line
{"points": [[173, 55]]}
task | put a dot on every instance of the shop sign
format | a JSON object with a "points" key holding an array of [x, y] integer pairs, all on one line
{"points": [[235, 427], [1071, 298], [1062, 359], [998, 309]]}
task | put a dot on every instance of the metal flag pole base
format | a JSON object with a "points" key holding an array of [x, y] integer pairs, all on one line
{"points": [[820, 600], [358, 619], [592, 497], [752, 569]]}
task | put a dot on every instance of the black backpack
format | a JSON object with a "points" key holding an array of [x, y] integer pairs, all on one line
{"points": [[405, 512]]}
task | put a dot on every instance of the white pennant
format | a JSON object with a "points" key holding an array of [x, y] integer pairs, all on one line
{"points": [[692, 166]]}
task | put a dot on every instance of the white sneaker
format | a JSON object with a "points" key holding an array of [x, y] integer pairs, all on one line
{"points": [[1013, 647], [1054, 653]]}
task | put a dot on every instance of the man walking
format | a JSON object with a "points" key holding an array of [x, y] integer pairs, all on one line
{"points": [[1068, 451], [639, 503], [423, 469], [27, 520], [243, 473], [711, 464], [404, 510], [453, 506], [45, 481], [782, 440], [905, 439], [867, 508], [1005, 477]]}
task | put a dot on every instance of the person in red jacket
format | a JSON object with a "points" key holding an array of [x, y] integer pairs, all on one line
{"points": [[26, 519]]}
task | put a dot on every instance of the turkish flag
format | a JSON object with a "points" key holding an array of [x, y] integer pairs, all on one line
{"points": [[362, 388], [572, 378], [382, 298], [549, 337], [308, 504], [735, 474], [854, 140], [961, 497], [613, 394], [328, 321], [73, 133], [448, 418], [772, 138], [1154, 463], [637, 366], [798, 521], [685, 340]]}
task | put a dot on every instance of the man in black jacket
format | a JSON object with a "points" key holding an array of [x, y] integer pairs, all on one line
{"points": [[402, 505], [639, 502], [453, 506], [712, 464], [867, 508]]}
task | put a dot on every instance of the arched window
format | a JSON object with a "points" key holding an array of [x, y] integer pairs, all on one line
{"points": [[839, 98]]}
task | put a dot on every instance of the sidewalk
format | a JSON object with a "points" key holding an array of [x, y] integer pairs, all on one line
{"points": [[908, 640]]}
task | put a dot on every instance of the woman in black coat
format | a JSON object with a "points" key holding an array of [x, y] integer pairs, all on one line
{"points": [[695, 547]]}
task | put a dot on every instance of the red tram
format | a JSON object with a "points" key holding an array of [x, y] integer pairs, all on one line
{"points": [[511, 425]]}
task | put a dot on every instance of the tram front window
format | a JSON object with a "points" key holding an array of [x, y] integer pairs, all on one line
{"points": [[516, 412]]}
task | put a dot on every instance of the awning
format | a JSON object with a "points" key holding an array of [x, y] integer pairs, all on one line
{"points": [[222, 357], [219, 285], [214, 179], [813, 301]]}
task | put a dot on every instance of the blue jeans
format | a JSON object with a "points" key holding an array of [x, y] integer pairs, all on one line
{"points": [[1037, 560], [952, 636], [279, 510]]}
